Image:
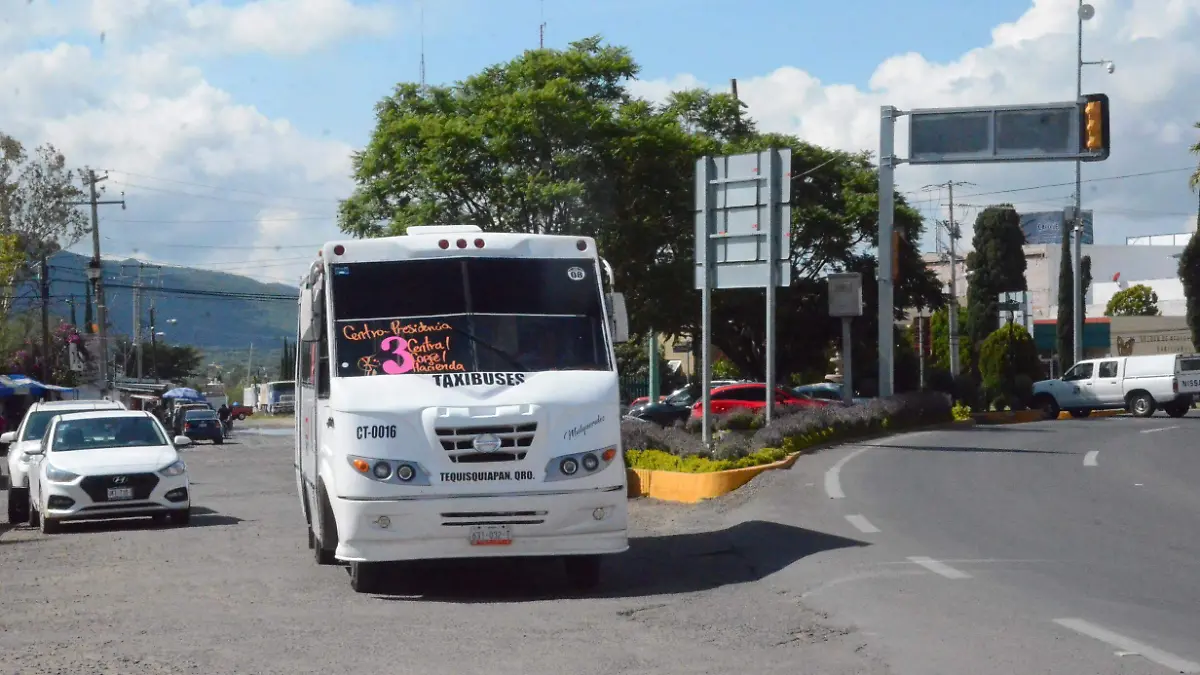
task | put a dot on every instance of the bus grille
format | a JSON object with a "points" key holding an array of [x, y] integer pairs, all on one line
{"points": [[515, 440]]}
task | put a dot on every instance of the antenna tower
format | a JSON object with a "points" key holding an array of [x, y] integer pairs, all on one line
{"points": [[422, 46]]}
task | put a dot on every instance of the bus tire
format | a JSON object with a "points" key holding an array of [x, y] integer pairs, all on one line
{"points": [[583, 571], [366, 577], [323, 555]]}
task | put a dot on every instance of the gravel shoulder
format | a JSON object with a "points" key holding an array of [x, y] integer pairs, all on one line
{"points": [[237, 592]]}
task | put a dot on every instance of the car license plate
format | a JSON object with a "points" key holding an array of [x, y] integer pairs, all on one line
{"points": [[491, 535], [115, 494]]}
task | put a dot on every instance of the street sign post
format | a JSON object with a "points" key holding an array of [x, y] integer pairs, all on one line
{"points": [[845, 302], [1041, 132], [743, 226]]}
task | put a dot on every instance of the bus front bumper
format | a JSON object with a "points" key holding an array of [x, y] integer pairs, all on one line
{"points": [[563, 523]]}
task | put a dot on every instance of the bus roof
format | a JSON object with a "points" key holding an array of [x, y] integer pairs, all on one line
{"points": [[448, 241]]}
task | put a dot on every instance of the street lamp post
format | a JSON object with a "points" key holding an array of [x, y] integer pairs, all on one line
{"points": [[1084, 13]]}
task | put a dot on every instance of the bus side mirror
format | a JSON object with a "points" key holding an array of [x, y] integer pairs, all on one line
{"points": [[618, 318]]}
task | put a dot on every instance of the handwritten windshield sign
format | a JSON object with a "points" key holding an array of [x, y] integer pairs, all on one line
{"points": [[406, 347]]}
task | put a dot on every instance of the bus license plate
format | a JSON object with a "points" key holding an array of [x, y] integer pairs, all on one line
{"points": [[116, 494], [491, 535]]}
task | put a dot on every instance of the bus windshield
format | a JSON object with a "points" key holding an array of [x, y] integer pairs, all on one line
{"points": [[462, 315]]}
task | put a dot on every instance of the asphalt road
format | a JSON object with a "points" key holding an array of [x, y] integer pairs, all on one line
{"points": [[1068, 546], [1057, 547], [237, 592]]}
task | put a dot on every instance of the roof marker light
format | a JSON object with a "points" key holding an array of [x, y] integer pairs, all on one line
{"points": [[462, 243], [443, 244], [478, 243], [581, 245], [339, 249]]}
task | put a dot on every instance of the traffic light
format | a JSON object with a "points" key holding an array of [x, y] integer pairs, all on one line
{"points": [[1093, 128]]}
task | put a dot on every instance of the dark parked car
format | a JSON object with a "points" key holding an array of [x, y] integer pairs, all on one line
{"points": [[203, 425]]}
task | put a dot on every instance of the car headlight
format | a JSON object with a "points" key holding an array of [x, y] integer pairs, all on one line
{"points": [[177, 468], [580, 464], [394, 471], [56, 475]]}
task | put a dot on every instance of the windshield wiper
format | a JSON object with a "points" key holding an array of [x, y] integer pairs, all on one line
{"points": [[484, 343]]}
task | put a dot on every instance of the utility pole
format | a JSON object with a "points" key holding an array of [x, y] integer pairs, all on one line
{"points": [[137, 320], [542, 26], [153, 345], [47, 349], [95, 270], [954, 233]]}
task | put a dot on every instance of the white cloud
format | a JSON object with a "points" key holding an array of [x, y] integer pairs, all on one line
{"points": [[208, 180], [1155, 94]]}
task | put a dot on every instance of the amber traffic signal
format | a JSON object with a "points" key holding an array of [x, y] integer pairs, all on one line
{"points": [[1093, 128]]}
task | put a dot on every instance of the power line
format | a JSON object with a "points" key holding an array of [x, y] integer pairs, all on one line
{"points": [[225, 189], [1072, 183]]}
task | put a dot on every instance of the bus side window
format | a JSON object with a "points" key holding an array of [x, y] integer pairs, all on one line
{"points": [[322, 374]]}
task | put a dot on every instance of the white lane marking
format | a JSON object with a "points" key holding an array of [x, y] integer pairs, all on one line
{"points": [[833, 477], [1154, 431], [1126, 644], [938, 567], [1090, 458], [862, 524]]}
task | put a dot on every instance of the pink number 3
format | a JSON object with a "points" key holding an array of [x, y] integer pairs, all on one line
{"points": [[407, 362]]}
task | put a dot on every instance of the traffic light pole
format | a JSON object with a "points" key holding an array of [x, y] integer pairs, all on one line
{"points": [[1077, 253]]}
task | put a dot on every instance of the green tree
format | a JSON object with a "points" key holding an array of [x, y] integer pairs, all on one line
{"points": [[1085, 272], [554, 142], [1009, 365], [1137, 300], [174, 363], [1064, 330], [1189, 277], [939, 328], [995, 265], [39, 199]]}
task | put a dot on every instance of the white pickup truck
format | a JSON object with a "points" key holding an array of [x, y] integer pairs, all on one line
{"points": [[1139, 384]]}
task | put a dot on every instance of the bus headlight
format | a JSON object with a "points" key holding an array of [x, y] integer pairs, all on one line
{"points": [[393, 471], [575, 465]]}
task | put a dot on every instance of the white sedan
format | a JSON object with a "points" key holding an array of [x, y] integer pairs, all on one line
{"points": [[107, 464]]}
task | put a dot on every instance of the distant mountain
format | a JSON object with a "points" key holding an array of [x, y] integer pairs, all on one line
{"points": [[216, 311]]}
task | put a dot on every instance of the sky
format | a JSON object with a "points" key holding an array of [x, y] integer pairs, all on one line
{"points": [[229, 125]]}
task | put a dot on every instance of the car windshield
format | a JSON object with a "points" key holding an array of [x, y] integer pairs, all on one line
{"points": [[106, 432], [36, 423], [468, 315]]}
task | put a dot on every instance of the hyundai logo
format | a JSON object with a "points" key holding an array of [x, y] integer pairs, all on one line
{"points": [[120, 480], [486, 443]]}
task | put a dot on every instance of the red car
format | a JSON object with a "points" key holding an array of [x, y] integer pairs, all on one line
{"points": [[751, 397]]}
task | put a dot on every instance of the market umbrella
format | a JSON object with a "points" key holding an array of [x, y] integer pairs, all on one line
{"points": [[185, 393]]}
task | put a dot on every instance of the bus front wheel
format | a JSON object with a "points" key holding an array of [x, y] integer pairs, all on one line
{"points": [[583, 571]]}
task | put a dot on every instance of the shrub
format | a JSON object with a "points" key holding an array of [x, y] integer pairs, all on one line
{"points": [[961, 412], [648, 446], [1004, 357]]}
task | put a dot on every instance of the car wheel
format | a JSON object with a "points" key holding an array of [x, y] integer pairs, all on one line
{"points": [[1079, 413], [1176, 409], [18, 505], [241, 417], [366, 577], [583, 571], [48, 525], [181, 516], [1141, 404], [218, 441]]}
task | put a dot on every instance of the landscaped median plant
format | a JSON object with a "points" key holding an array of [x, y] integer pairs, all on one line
{"points": [[961, 412], [744, 440]]}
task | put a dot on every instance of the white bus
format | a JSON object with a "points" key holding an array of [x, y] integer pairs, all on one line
{"points": [[457, 397]]}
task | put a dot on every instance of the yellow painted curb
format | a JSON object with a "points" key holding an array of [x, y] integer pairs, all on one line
{"points": [[1095, 413]]}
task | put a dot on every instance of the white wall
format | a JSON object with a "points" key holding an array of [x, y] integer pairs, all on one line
{"points": [[1171, 300], [1134, 263]]}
